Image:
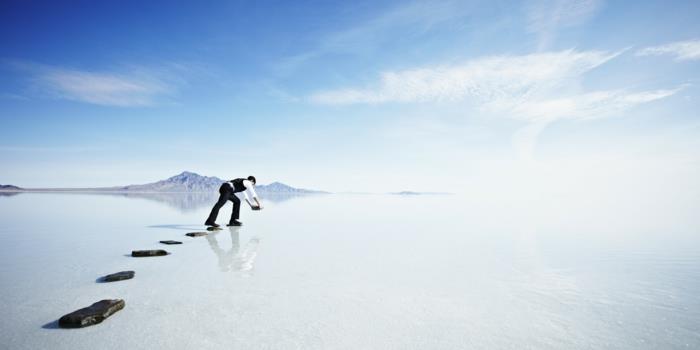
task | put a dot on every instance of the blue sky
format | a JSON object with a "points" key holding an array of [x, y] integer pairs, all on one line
{"points": [[350, 96]]}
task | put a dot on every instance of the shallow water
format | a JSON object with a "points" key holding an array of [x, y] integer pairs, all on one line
{"points": [[355, 272]]}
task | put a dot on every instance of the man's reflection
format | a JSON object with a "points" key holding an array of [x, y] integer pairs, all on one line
{"points": [[234, 259]]}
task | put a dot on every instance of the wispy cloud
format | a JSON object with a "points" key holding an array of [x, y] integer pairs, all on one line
{"points": [[547, 17], [500, 79], [537, 88], [405, 21], [104, 88], [591, 105], [128, 87], [10, 96], [410, 18], [681, 50], [48, 149]]}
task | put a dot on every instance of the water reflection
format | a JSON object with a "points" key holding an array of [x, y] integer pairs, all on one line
{"points": [[234, 259], [8, 194], [184, 202]]}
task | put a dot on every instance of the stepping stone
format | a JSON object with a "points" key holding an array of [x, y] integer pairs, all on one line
{"points": [[119, 276], [212, 228], [92, 314], [142, 253], [171, 242], [196, 234]]}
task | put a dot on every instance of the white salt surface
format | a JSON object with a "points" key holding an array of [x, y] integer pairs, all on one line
{"points": [[355, 272]]}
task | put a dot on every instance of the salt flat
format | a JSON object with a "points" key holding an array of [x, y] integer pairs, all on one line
{"points": [[355, 272]]}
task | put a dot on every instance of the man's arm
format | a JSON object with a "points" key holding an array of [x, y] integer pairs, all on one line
{"points": [[257, 205], [250, 193]]}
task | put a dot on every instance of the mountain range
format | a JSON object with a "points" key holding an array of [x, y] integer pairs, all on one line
{"points": [[183, 182]]}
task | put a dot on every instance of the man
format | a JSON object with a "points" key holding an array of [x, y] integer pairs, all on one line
{"points": [[227, 192]]}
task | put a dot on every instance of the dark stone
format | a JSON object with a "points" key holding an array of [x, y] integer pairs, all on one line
{"points": [[196, 234], [119, 276], [171, 242], [212, 228], [141, 253], [92, 314]]}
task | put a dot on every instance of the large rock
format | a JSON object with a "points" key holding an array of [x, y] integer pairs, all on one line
{"points": [[119, 276], [92, 314], [171, 242], [142, 253], [196, 234]]}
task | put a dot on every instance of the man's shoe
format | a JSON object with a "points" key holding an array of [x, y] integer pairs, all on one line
{"points": [[212, 224], [235, 223]]}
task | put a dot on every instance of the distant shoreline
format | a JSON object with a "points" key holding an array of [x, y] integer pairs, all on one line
{"points": [[92, 190], [113, 191], [120, 191], [81, 190], [189, 182]]}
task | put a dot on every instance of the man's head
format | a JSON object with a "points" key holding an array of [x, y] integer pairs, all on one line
{"points": [[251, 178]]}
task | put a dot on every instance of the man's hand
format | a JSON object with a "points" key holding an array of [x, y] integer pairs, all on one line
{"points": [[258, 206]]}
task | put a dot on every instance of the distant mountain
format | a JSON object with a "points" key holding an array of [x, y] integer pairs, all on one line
{"points": [[193, 182], [183, 182], [278, 187]]}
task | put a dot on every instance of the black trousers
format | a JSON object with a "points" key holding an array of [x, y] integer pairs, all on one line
{"points": [[225, 194]]}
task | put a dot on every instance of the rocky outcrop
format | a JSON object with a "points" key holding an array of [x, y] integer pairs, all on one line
{"points": [[143, 253], [119, 276], [196, 234], [91, 315], [171, 242]]}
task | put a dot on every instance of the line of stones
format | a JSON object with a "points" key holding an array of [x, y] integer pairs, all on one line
{"points": [[99, 311]]}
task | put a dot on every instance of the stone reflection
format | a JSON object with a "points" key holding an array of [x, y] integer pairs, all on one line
{"points": [[235, 259]]}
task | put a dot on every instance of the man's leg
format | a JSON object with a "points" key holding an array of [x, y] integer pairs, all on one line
{"points": [[236, 207], [223, 197]]}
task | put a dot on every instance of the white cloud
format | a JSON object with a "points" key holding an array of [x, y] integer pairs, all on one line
{"points": [[104, 88], [546, 17], [407, 20], [592, 105], [537, 88], [488, 79], [682, 50], [128, 87]]}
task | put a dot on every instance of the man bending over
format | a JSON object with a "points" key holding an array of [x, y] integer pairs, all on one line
{"points": [[227, 192]]}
